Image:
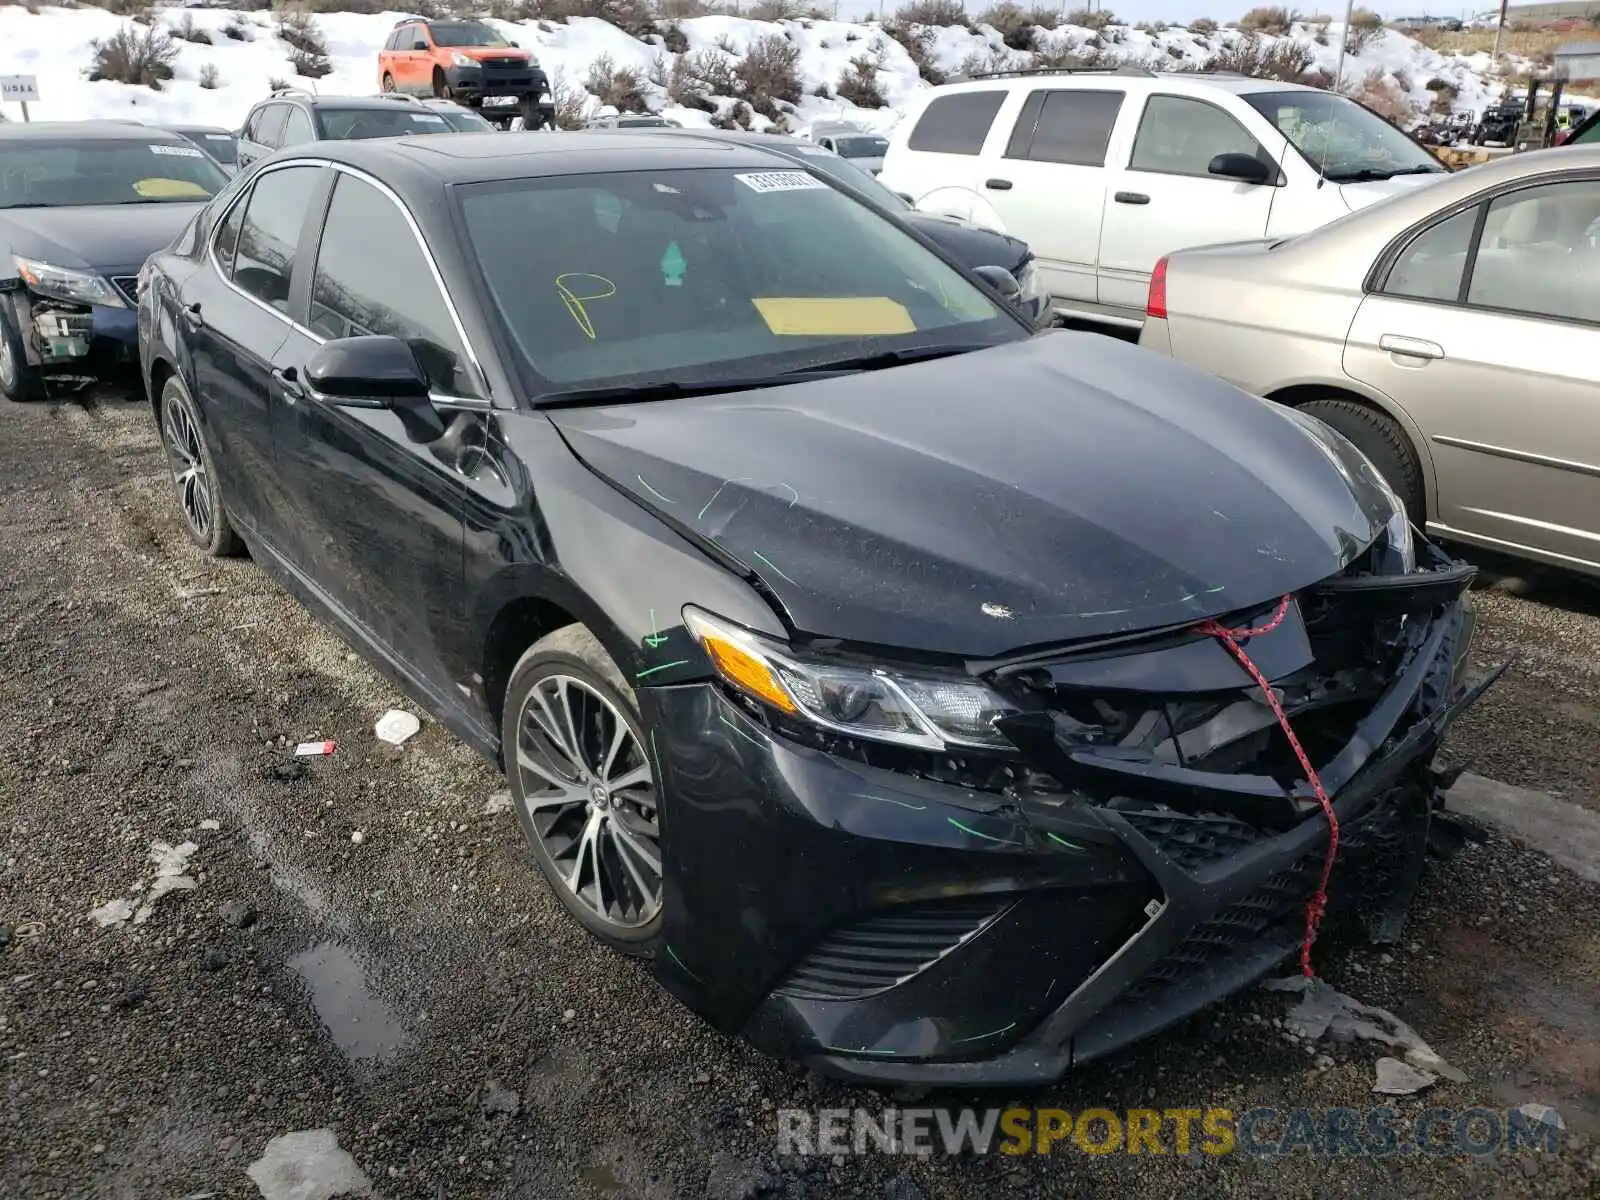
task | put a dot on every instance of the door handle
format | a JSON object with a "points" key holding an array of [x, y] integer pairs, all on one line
{"points": [[1409, 346], [1131, 198], [997, 185], [189, 314], [288, 381]]}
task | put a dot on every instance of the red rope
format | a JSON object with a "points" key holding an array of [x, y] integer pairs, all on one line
{"points": [[1231, 639]]}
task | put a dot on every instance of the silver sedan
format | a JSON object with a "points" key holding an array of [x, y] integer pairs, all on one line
{"points": [[1451, 332]]}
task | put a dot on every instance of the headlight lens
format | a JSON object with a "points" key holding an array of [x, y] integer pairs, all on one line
{"points": [[462, 60], [1341, 452], [868, 702], [61, 283]]}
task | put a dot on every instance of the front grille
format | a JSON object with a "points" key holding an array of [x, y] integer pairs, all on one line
{"points": [[881, 951], [128, 285], [1192, 840]]}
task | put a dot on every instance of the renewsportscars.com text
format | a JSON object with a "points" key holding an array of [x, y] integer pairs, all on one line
{"points": [[1257, 1132]]}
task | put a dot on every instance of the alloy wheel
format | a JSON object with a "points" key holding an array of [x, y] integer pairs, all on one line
{"points": [[8, 364], [188, 466], [591, 801]]}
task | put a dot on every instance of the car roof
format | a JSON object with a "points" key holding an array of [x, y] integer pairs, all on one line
{"points": [[1090, 78], [485, 157], [100, 131], [351, 102], [198, 129]]}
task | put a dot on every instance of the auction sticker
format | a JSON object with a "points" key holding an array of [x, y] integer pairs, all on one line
{"points": [[782, 181], [177, 151]]}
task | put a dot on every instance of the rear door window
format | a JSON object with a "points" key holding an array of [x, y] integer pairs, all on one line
{"points": [[274, 215], [1069, 126], [956, 124]]}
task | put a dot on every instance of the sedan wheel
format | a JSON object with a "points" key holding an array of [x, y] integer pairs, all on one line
{"points": [[194, 474], [585, 789]]}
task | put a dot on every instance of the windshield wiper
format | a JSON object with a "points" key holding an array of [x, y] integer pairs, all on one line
{"points": [[888, 358], [1370, 174], [660, 389]]}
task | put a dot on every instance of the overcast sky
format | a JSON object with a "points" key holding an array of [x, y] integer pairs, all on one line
{"points": [[1183, 11]]}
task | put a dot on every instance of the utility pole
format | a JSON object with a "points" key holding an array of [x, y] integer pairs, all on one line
{"points": [[1344, 43]]}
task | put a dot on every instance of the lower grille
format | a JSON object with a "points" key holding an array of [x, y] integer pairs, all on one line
{"points": [[128, 285], [1192, 840], [881, 951]]}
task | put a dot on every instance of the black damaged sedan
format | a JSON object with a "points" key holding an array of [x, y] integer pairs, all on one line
{"points": [[930, 699]]}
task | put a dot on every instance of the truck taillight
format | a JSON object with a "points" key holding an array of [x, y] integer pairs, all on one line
{"points": [[1156, 305]]}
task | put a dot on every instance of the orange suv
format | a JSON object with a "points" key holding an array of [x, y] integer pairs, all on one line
{"points": [[469, 62]]}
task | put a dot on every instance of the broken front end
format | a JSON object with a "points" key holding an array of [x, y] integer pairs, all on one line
{"points": [[74, 327], [1141, 841]]}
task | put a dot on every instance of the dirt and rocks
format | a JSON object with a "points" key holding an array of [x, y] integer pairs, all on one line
{"points": [[363, 957]]}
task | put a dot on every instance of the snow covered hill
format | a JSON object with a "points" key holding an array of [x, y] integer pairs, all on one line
{"points": [[222, 61]]}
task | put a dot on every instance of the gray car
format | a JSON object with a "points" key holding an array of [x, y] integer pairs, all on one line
{"points": [[1452, 333]]}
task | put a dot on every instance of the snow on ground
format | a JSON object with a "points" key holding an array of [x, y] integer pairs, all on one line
{"points": [[247, 56]]}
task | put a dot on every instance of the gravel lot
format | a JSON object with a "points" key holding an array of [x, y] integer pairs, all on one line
{"points": [[416, 990]]}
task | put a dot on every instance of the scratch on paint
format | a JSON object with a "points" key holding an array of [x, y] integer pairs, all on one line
{"points": [[682, 662], [725, 483], [887, 800], [1050, 989], [1061, 841], [1110, 612], [975, 833], [794, 493], [681, 963], [655, 637], [978, 1037], [651, 490], [733, 726], [772, 565]]}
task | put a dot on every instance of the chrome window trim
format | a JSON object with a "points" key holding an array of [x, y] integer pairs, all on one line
{"points": [[462, 403]]}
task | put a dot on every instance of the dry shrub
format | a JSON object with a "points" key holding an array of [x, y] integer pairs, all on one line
{"points": [[210, 78], [1445, 94], [188, 31], [859, 84], [1278, 21], [134, 55], [1284, 60], [1379, 92], [1100, 18], [737, 117], [986, 63], [698, 76], [238, 31], [636, 18], [769, 74], [570, 102], [1365, 28], [1045, 16], [617, 86], [308, 53], [918, 41], [673, 39], [775, 10], [932, 12], [1012, 24], [1202, 25]]}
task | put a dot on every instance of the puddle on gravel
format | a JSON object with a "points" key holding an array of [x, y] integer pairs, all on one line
{"points": [[361, 1024]]}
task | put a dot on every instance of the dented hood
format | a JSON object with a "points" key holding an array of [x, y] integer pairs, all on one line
{"points": [[1065, 487]]}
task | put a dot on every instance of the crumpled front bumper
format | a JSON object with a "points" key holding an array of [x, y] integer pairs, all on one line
{"points": [[888, 928]]}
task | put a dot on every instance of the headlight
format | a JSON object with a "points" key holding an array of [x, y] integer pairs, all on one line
{"points": [[61, 283], [1342, 452], [927, 711], [462, 60]]}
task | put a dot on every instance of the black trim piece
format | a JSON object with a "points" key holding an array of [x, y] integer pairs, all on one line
{"points": [[1470, 264]]}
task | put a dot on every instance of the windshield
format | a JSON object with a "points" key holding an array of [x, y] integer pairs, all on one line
{"points": [[465, 33], [464, 120], [862, 147], [223, 147], [847, 173], [1341, 139], [694, 276], [69, 173], [358, 124]]}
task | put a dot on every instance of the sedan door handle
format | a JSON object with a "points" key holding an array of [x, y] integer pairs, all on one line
{"points": [[189, 314], [1409, 346], [997, 185], [288, 381], [1131, 198]]}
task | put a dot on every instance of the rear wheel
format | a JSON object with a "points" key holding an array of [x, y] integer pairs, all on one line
{"points": [[194, 474], [388, 82], [1383, 441], [584, 787]]}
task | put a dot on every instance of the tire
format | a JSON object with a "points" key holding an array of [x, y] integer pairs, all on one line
{"points": [[441, 86], [388, 82], [531, 119], [194, 475], [19, 382], [1383, 441], [569, 671]]}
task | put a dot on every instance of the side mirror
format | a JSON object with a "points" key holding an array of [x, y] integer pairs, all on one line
{"points": [[515, 45], [1246, 168], [1002, 281], [376, 372], [422, 46]]}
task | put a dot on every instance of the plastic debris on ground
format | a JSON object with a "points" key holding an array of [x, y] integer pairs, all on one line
{"points": [[1324, 1012], [314, 749], [396, 726], [307, 1165], [172, 875]]}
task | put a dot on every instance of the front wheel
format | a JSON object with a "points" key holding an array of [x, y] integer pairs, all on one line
{"points": [[18, 380], [584, 787], [194, 474], [441, 87], [1383, 441]]}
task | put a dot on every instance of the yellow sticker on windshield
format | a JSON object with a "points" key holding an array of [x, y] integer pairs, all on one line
{"points": [[170, 189], [834, 316]]}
